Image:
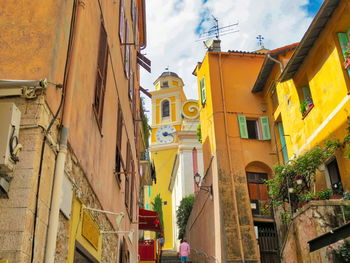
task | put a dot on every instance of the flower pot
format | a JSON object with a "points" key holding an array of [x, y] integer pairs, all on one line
{"points": [[299, 181], [336, 196]]}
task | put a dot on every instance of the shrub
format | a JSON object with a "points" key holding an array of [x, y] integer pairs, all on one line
{"points": [[183, 213]]}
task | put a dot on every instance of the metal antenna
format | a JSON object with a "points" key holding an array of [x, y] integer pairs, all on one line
{"points": [[218, 31], [260, 39]]}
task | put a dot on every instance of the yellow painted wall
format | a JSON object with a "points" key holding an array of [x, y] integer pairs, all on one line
{"points": [[75, 231], [329, 84]]}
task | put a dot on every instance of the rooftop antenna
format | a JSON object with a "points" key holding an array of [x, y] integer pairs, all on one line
{"points": [[260, 39], [216, 31]]}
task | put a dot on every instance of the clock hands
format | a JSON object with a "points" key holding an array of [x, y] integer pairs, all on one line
{"points": [[168, 133]]}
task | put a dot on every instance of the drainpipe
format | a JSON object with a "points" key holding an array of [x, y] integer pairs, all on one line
{"points": [[277, 61], [61, 157], [228, 147]]}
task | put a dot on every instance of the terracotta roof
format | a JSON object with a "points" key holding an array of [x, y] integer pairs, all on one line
{"points": [[267, 66], [245, 52]]}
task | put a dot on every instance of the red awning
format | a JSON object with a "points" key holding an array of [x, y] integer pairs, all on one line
{"points": [[149, 220]]}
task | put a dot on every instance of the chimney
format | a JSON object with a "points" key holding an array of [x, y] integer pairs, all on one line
{"points": [[213, 45]]}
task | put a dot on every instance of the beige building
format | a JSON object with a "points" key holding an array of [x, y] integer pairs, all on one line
{"points": [[71, 141]]}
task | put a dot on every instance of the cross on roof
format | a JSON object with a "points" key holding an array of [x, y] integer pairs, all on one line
{"points": [[260, 39]]}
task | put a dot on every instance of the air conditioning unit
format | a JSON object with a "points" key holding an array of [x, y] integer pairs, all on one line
{"points": [[10, 118]]}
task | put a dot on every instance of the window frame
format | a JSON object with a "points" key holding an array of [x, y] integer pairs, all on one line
{"points": [[119, 163], [262, 127], [101, 75], [203, 91], [162, 107]]}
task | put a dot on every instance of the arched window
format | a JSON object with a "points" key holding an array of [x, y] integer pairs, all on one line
{"points": [[165, 108]]}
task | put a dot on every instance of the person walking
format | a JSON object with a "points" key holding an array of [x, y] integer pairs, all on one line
{"points": [[184, 251]]}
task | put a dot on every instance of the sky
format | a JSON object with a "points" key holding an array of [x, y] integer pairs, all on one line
{"points": [[174, 27]]}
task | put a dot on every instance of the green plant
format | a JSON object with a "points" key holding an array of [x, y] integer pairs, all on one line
{"points": [[303, 107], [145, 127], [199, 133], [304, 166], [157, 205], [306, 197], [286, 217], [325, 194], [342, 253], [183, 213]]}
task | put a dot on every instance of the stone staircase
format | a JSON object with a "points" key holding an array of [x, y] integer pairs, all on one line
{"points": [[169, 256]]}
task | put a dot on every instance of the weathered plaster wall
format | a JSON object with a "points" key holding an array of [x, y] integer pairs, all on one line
{"points": [[313, 220]]}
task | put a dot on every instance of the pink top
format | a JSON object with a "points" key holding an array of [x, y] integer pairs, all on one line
{"points": [[184, 249]]}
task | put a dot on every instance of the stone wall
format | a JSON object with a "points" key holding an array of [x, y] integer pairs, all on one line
{"points": [[314, 219]]}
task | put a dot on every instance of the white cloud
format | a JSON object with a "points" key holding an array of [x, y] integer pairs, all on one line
{"points": [[172, 41]]}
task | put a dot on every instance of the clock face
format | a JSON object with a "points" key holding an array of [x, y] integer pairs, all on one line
{"points": [[165, 134]]}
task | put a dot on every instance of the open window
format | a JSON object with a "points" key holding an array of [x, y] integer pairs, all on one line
{"points": [[306, 101], [254, 128], [334, 176]]}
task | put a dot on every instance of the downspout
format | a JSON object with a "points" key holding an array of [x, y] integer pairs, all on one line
{"points": [[277, 61], [61, 156], [228, 147]]}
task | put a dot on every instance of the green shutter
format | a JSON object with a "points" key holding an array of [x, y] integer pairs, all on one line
{"points": [[243, 126], [203, 94], [265, 127]]}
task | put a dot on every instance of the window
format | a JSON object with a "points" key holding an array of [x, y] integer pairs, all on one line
{"points": [[344, 41], [258, 129], [165, 107], [119, 165], [121, 22], [257, 192], [127, 175], [102, 62], [306, 103], [165, 84], [334, 175], [252, 127], [203, 92], [127, 51]]}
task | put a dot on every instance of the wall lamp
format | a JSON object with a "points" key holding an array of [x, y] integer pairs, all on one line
{"points": [[119, 216], [197, 179]]}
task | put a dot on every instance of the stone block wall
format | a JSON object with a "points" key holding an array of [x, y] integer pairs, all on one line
{"points": [[314, 219]]}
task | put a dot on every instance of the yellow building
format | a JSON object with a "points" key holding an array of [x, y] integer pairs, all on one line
{"points": [[307, 94], [174, 122]]}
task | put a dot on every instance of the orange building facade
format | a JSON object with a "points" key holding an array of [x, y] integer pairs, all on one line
{"points": [[76, 181], [238, 157]]}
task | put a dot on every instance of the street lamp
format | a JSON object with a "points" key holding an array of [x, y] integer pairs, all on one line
{"points": [[197, 179]]}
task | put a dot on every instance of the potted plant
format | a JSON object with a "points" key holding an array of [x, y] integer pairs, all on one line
{"points": [[303, 107], [325, 194]]}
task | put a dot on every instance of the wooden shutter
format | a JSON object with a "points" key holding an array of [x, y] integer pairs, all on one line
{"points": [[243, 126], [265, 127], [203, 94]]}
